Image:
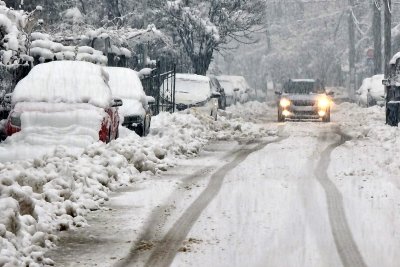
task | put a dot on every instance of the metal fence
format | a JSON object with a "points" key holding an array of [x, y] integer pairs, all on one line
{"points": [[161, 86]]}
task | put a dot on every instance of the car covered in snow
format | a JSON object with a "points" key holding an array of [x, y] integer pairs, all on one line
{"points": [[196, 91], [68, 100], [371, 92], [135, 113], [236, 88], [304, 99]]}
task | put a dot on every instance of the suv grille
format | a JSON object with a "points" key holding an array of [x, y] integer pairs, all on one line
{"points": [[303, 103]]}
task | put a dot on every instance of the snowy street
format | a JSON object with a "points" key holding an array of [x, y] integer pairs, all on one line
{"points": [[202, 133], [312, 195]]}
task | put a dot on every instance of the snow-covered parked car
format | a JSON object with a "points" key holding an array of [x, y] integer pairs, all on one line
{"points": [[67, 100], [135, 113], [236, 88], [195, 91], [371, 92]]}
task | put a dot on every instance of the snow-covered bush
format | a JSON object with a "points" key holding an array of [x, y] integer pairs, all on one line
{"points": [[371, 92]]}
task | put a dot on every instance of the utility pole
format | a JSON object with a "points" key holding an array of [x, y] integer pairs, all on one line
{"points": [[392, 109], [377, 34], [388, 35], [352, 51]]}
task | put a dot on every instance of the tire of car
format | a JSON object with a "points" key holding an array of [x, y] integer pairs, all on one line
{"points": [[117, 133], [280, 117], [147, 123], [392, 114], [327, 117], [108, 136]]}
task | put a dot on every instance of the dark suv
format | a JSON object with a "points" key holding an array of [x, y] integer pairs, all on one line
{"points": [[304, 99]]}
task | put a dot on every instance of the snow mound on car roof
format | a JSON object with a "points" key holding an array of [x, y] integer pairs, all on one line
{"points": [[65, 82], [125, 83]]}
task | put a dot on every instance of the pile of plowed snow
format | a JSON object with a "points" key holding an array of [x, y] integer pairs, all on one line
{"points": [[53, 193]]}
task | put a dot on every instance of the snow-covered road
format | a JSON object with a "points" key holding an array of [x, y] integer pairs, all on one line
{"points": [[295, 199]]}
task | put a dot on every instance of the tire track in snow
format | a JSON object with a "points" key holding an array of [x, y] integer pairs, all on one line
{"points": [[346, 247], [165, 251], [158, 219]]}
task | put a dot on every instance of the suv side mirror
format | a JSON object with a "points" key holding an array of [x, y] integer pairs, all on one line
{"points": [[330, 93], [150, 100], [116, 102]]}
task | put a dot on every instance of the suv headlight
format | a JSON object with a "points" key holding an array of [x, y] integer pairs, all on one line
{"points": [[284, 102], [323, 103]]}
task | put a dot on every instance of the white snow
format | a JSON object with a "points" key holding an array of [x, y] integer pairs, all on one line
{"points": [[56, 191], [65, 81]]}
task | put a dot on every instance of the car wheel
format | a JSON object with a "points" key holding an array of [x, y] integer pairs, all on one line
{"points": [[327, 117], [117, 133], [392, 114], [108, 136], [280, 116]]}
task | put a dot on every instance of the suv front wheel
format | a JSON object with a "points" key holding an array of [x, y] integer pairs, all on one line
{"points": [[327, 117], [281, 118]]}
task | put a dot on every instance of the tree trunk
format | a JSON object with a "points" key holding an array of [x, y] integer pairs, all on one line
{"points": [[352, 51], [388, 35], [201, 63], [377, 33]]}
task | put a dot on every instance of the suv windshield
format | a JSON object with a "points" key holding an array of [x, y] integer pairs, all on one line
{"points": [[302, 87]]}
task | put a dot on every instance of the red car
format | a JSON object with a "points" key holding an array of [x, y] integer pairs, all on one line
{"points": [[63, 97]]}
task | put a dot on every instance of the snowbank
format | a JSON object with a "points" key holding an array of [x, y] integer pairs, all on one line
{"points": [[55, 192], [65, 81], [366, 170], [377, 90]]}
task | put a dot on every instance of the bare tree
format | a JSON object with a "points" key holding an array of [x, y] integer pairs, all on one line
{"points": [[388, 34], [204, 27], [352, 50], [377, 35]]}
